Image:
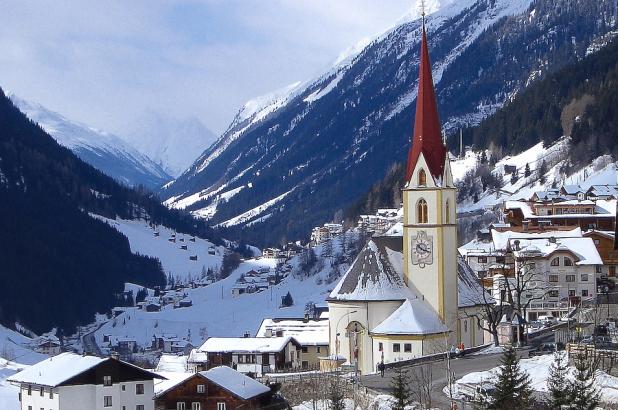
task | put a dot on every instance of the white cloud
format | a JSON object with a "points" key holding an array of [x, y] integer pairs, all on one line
{"points": [[103, 63]]}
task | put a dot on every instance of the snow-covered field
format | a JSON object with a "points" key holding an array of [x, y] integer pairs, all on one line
{"points": [[173, 259], [216, 313], [538, 369]]}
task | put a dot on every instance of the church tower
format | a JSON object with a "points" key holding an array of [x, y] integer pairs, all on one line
{"points": [[429, 200]]}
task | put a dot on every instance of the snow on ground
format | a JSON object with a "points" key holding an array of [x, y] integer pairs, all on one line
{"points": [[15, 346], [173, 259], [538, 370], [461, 166], [215, 312], [379, 402], [252, 213], [9, 398]]}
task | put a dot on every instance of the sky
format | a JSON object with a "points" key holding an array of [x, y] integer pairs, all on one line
{"points": [[106, 62]]}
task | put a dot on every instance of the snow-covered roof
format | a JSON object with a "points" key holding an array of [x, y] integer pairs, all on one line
{"points": [[501, 239], [196, 356], [172, 363], [583, 248], [572, 189], [172, 379], [603, 209], [469, 289], [56, 370], [311, 332], [246, 344], [235, 382], [375, 274], [413, 317], [604, 190]]}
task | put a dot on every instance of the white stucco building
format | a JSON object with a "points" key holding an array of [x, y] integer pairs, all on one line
{"points": [[73, 382]]}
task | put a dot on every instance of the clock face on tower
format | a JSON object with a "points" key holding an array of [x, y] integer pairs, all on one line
{"points": [[422, 249]]}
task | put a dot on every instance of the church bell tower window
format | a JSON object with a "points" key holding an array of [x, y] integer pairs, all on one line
{"points": [[447, 211], [421, 211], [422, 178]]}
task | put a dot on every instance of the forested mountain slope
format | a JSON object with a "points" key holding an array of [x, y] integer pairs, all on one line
{"points": [[293, 161], [59, 265]]}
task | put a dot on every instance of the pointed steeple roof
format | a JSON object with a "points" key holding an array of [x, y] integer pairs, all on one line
{"points": [[427, 129]]}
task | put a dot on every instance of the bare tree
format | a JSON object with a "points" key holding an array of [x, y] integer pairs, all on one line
{"points": [[422, 380]]}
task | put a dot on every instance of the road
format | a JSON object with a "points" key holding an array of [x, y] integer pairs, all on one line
{"points": [[460, 367], [90, 344]]}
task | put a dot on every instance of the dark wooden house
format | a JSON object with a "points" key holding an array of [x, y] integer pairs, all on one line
{"points": [[220, 388]]}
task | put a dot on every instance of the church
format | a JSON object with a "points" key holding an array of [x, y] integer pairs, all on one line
{"points": [[407, 294]]}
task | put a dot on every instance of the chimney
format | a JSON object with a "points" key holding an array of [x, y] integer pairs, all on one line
{"points": [[269, 332], [516, 244], [247, 335]]}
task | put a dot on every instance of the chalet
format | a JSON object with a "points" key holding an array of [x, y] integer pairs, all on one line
{"points": [[125, 346], [253, 355], [165, 342], [192, 239], [193, 257], [152, 307], [606, 192], [573, 192], [547, 195], [555, 215], [48, 344], [311, 334], [604, 241], [319, 234], [219, 388], [70, 381], [252, 274], [183, 303], [183, 247], [292, 249], [271, 253], [197, 361]]}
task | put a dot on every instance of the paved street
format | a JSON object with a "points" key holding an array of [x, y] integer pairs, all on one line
{"points": [[460, 367]]}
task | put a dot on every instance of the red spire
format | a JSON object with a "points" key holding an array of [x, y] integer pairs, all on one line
{"points": [[427, 129]]}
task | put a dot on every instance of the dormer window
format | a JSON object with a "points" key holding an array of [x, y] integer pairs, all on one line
{"points": [[421, 211], [422, 178]]}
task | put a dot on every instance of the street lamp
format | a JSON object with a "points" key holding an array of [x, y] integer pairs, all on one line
{"points": [[337, 333]]}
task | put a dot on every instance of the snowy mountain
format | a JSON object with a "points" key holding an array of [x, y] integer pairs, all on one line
{"points": [[291, 160], [106, 152], [173, 143]]}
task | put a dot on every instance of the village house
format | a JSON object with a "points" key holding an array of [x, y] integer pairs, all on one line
{"points": [[271, 253], [253, 355], [533, 216], [48, 344], [605, 242], [70, 382], [220, 388], [381, 222], [310, 333]]}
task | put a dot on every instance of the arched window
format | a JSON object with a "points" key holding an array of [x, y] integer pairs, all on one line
{"points": [[555, 262], [422, 178], [568, 262], [447, 211], [421, 211]]}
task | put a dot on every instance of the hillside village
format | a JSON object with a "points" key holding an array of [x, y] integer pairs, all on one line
{"points": [[333, 321]]}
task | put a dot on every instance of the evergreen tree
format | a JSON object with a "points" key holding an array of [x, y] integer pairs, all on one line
{"points": [[335, 393], [542, 171], [583, 395], [513, 389], [514, 178], [527, 171], [483, 157], [400, 390], [557, 384]]}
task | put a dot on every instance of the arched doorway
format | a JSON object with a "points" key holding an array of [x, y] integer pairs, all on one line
{"points": [[355, 332]]}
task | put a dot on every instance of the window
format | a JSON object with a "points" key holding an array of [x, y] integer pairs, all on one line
{"points": [[598, 268], [570, 278], [482, 259], [305, 349], [304, 364], [396, 347], [380, 347], [421, 211], [201, 388], [181, 405], [139, 388], [465, 326], [482, 274], [318, 349], [597, 242], [422, 178], [447, 211], [584, 292], [571, 292], [220, 406], [241, 359], [41, 391], [196, 406], [555, 262], [500, 259], [29, 390], [107, 380], [51, 393], [584, 277], [612, 271], [139, 407], [568, 262], [553, 293], [107, 401], [407, 347], [553, 278]]}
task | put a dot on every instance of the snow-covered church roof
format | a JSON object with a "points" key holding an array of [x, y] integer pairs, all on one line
{"points": [[376, 274], [413, 317], [469, 288]]}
